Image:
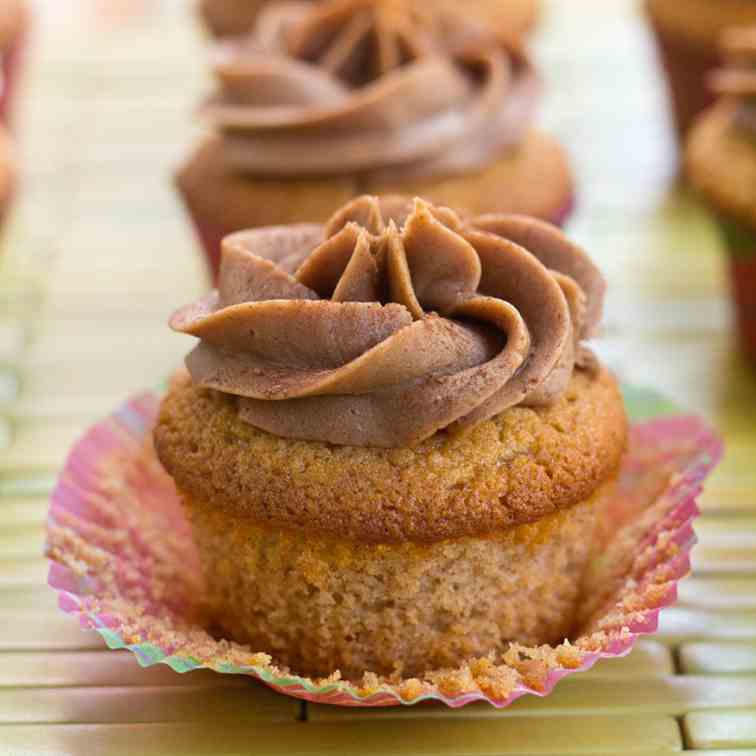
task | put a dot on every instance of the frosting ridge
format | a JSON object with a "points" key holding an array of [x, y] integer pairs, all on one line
{"points": [[348, 86], [736, 79], [393, 321]]}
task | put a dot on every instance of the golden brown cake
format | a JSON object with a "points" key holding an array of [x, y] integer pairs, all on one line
{"points": [[687, 34], [721, 164], [513, 18], [392, 442], [320, 103]]}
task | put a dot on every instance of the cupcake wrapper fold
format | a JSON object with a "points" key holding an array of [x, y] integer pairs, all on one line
{"points": [[123, 561]]}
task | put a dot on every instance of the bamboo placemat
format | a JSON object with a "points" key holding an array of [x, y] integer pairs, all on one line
{"points": [[97, 255]]}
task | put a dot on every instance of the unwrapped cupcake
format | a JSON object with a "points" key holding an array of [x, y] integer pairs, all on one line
{"points": [[721, 164], [323, 102], [687, 33], [512, 18], [392, 441]]}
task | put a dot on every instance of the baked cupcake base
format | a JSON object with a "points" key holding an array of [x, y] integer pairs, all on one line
{"points": [[686, 68], [521, 465], [687, 34], [320, 604], [534, 180], [395, 560], [138, 582], [512, 17]]}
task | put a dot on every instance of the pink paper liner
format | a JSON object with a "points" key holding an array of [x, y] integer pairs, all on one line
{"points": [[124, 562]]}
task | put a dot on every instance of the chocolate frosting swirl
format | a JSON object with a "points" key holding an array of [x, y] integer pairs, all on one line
{"points": [[393, 321], [350, 86], [737, 78]]}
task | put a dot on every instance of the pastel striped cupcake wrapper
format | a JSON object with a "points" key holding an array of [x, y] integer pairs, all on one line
{"points": [[123, 562]]}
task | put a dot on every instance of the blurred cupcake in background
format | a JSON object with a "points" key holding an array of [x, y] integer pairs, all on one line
{"points": [[721, 164], [8, 173], [228, 18], [14, 22], [324, 102], [687, 34]]}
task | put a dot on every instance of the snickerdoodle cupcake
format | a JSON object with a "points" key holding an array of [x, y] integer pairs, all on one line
{"points": [[721, 164], [323, 102], [392, 441], [687, 34], [512, 18]]}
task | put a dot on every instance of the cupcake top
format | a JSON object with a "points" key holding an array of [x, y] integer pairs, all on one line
{"points": [[349, 86], [736, 80], [395, 320]]}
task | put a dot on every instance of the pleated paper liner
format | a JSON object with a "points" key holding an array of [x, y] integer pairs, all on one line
{"points": [[123, 561]]}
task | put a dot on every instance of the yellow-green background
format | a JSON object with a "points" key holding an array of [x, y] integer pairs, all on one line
{"points": [[98, 253]]}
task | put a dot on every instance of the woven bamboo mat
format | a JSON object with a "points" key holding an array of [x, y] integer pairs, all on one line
{"points": [[98, 254]]}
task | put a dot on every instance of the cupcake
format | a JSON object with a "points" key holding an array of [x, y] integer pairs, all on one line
{"points": [[8, 173], [324, 102], [721, 164], [14, 19], [687, 34], [512, 18], [392, 442]]}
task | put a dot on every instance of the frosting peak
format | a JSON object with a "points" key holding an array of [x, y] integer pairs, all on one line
{"points": [[350, 86], [362, 40], [737, 78], [393, 321]]}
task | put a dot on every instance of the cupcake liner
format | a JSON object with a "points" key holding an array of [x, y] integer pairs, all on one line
{"points": [[210, 234], [741, 249], [123, 561], [11, 66], [686, 68]]}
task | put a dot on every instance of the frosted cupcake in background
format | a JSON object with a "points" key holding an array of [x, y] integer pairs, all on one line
{"points": [[323, 102], [721, 164], [687, 34], [8, 174], [14, 23], [230, 18]]}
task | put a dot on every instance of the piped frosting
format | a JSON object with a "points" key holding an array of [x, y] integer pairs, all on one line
{"points": [[736, 79], [395, 320], [350, 86]]}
